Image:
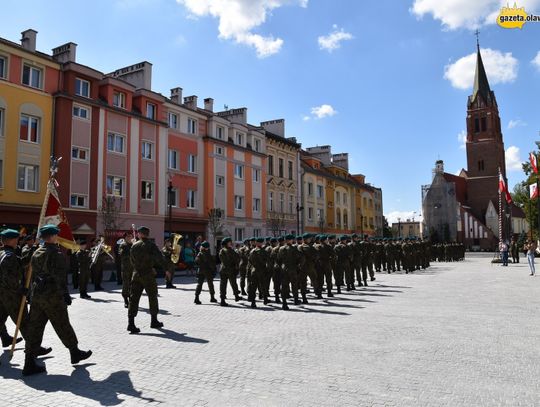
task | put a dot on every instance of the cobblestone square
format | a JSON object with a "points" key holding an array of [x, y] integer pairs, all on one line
{"points": [[458, 334]]}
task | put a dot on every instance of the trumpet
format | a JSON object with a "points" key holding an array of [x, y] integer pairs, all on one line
{"points": [[176, 248], [101, 247]]}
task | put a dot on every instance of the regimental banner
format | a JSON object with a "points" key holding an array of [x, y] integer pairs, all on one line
{"points": [[533, 191]]}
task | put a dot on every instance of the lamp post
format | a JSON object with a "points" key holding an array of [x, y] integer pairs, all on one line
{"points": [[362, 225], [298, 210], [399, 227], [537, 189]]}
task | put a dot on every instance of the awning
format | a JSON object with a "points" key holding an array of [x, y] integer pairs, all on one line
{"points": [[84, 229]]}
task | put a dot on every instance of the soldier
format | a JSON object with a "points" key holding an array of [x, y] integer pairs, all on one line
{"points": [[290, 259], [169, 264], [27, 251], [50, 300], [207, 270], [271, 264], [276, 271], [389, 254], [514, 250], [310, 259], [244, 254], [82, 257], [326, 259], [124, 251], [96, 268], [356, 264], [230, 261], [256, 272], [145, 258], [342, 263]]}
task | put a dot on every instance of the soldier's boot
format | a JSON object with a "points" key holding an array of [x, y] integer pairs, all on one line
{"points": [[253, 304], [266, 301], [7, 339], [278, 301], [365, 283], [85, 296], [131, 326], [372, 279], [348, 287], [304, 299], [296, 300], [212, 298], [43, 351], [197, 301], [77, 355], [319, 294], [223, 303], [285, 307], [237, 297], [243, 289], [155, 323], [30, 366], [359, 283], [329, 295], [339, 289]]}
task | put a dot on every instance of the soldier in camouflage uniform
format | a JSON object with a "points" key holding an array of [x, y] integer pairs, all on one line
{"points": [[389, 254], [207, 270], [230, 261], [326, 257], [310, 259], [276, 271], [83, 259], [244, 260], [127, 268], [257, 263], [50, 300], [356, 264], [145, 258], [342, 262], [290, 259]]}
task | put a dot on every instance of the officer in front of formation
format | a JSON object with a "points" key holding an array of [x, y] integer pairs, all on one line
{"points": [[50, 300], [145, 258]]}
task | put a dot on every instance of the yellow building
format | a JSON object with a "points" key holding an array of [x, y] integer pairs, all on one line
{"points": [[28, 80]]}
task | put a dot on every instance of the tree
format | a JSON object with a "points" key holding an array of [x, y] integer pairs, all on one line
{"points": [[215, 224], [109, 210], [275, 223], [521, 198]]}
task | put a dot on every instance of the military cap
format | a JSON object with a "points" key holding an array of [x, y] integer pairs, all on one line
{"points": [[289, 237], [273, 240], [252, 239], [298, 237], [354, 235], [246, 241], [143, 229], [29, 237], [281, 239], [260, 240], [323, 237], [49, 230], [331, 237], [205, 244], [305, 236], [343, 237], [9, 234], [82, 241], [226, 240]]}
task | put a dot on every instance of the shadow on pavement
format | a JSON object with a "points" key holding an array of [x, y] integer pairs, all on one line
{"points": [[173, 336], [295, 308], [99, 300], [79, 383]]}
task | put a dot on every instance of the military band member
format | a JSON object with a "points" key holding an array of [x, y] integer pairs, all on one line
{"points": [[207, 270], [83, 259], [167, 252], [124, 251]]}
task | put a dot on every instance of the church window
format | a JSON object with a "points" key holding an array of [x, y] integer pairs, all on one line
{"points": [[476, 125], [483, 122], [481, 165]]}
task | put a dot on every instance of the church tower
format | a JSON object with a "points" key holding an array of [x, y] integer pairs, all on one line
{"points": [[485, 146]]}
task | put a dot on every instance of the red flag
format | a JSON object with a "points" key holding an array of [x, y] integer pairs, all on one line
{"points": [[503, 189], [53, 214], [533, 191], [534, 165]]}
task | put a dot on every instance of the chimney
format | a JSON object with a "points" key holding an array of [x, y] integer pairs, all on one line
{"points": [[176, 95], [191, 101], [275, 126], [65, 53], [28, 40], [341, 160], [209, 104]]}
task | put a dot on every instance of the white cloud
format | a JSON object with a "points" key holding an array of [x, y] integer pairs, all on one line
{"points": [[516, 123], [454, 14], [513, 161], [333, 40], [322, 111], [306, 118], [237, 19], [462, 138], [500, 68], [536, 61], [392, 217]]}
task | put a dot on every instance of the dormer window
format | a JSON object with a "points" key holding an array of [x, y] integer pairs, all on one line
{"points": [[82, 88], [151, 111], [239, 139], [119, 100]]}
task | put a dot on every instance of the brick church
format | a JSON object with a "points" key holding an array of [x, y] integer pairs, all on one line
{"points": [[465, 208]]}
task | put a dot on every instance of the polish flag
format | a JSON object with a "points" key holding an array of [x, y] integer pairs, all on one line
{"points": [[504, 190], [532, 158], [533, 191]]}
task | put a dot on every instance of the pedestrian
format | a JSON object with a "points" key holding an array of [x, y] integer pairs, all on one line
{"points": [[514, 250], [503, 247], [50, 300], [531, 249], [207, 270]]}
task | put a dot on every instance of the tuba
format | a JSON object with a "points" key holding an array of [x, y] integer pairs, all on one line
{"points": [[176, 248], [101, 247]]}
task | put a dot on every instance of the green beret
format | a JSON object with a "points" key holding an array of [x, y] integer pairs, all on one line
{"points": [[273, 240], [9, 234], [354, 236], [331, 237], [252, 239], [343, 237], [246, 241], [289, 237], [143, 229], [281, 239], [205, 244], [226, 240], [299, 237], [323, 237], [49, 230], [260, 240], [306, 236]]}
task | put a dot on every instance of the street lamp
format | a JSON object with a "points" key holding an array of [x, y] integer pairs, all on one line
{"points": [[399, 227], [298, 210]]}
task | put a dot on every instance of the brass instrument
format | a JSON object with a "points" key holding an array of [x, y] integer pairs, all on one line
{"points": [[176, 248], [101, 247]]}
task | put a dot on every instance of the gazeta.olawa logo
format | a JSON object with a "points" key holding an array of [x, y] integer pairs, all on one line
{"points": [[515, 17]]}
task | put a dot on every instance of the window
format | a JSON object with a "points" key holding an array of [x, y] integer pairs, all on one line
{"points": [[320, 191], [115, 142], [238, 171], [281, 202], [481, 165], [476, 125], [1, 122], [310, 213], [151, 110], [257, 233], [291, 203], [28, 178], [173, 120], [220, 132], [370, 203], [238, 234], [119, 100], [147, 150], [191, 126], [238, 202], [32, 76], [115, 186], [280, 168], [190, 199], [257, 145], [271, 201], [319, 214], [220, 150], [78, 153], [270, 165], [192, 163], [256, 205], [338, 217], [29, 129], [290, 170], [174, 162], [173, 198], [82, 87], [345, 220], [338, 198], [81, 112], [310, 189], [345, 199], [220, 180], [78, 201], [483, 124], [147, 190], [257, 176], [239, 139], [3, 67]]}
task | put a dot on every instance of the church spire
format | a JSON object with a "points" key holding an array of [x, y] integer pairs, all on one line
{"points": [[481, 84]]}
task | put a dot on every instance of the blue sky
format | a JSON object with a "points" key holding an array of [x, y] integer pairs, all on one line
{"points": [[384, 83]]}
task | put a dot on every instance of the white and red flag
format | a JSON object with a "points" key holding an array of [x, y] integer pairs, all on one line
{"points": [[503, 189], [534, 164], [533, 191]]}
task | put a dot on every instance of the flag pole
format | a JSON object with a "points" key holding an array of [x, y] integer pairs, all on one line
{"points": [[500, 211]]}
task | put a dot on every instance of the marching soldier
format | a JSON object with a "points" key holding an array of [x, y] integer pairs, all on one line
{"points": [[276, 271], [257, 262], [342, 263], [244, 254], [145, 258], [326, 259], [290, 259], [50, 300], [310, 259], [83, 259], [127, 268], [356, 264], [169, 264], [230, 261], [207, 270]]}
